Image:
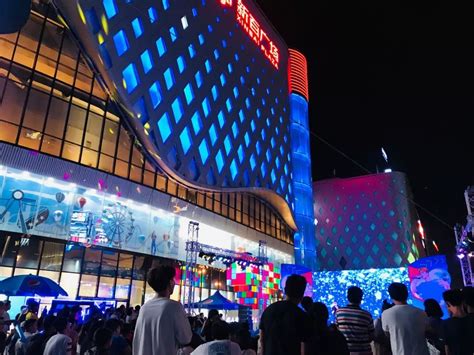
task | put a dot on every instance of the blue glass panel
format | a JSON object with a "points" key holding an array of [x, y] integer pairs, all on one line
{"points": [[216, 54], [236, 57], [262, 133], [235, 129], [252, 162], [208, 66], [227, 145], [209, 28], [219, 161], [173, 34], [169, 78], [197, 123], [241, 116], [224, 43], [177, 109], [194, 11], [229, 68], [213, 134], [198, 78], [186, 140], [206, 107], [155, 94], [147, 62], [201, 39], [277, 163], [268, 155], [164, 127], [257, 111], [233, 169], [192, 51], [263, 169], [130, 77], [247, 139], [242, 80], [214, 92], [272, 142], [140, 109], [188, 93], [222, 79], [152, 14], [110, 8], [221, 118], [235, 91], [104, 54], [166, 4], [92, 20], [268, 122], [161, 46], [121, 42], [273, 176], [252, 125], [240, 153], [137, 27], [228, 104], [203, 151], [181, 64], [247, 102]]}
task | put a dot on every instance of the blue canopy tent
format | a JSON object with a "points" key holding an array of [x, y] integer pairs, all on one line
{"points": [[30, 285], [216, 301]]}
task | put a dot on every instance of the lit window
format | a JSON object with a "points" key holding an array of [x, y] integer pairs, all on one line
{"points": [[268, 122], [219, 161], [253, 164], [130, 77], [252, 125], [209, 28], [247, 139], [224, 43], [228, 104], [201, 39], [155, 94], [206, 107], [137, 27], [229, 68], [121, 42], [173, 34], [273, 176], [194, 11], [263, 169], [233, 169], [242, 80], [262, 134], [272, 142], [241, 116], [247, 102], [236, 57], [164, 127], [257, 147], [258, 113], [166, 4], [169, 78], [188, 93], [214, 92], [147, 62], [221, 118], [181, 64], [184, 22], [152, 14], [222, 78], [177, 109], [213, 134], [198, 78], [235, 91], [207, 64], [240, 153], [186, 141], [268, 155], [110, 8], [235, 129], [192, 51], [197, 123], [227, 145], [216, 54], [203, 151], [161, 46]]}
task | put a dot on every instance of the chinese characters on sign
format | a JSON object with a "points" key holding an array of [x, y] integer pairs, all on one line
{"points": [[250, 24]]}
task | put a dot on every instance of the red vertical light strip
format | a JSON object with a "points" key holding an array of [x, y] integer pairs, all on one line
{"points": [[298, 73]]}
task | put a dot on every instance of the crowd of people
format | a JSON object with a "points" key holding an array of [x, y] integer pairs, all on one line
{"points": [[296, 325]]}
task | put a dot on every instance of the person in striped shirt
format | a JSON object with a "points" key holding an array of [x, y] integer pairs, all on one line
{"points": [[356, 324]]}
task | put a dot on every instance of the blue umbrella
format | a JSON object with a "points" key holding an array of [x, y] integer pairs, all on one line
{"points": [[30, 285]]}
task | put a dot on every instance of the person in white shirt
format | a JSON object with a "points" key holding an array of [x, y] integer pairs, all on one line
{"points": [[60, 343], [406, 325], [162, 325], [221, 345]]}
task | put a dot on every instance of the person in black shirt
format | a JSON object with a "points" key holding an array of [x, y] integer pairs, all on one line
{"points": [[284, 327], [458, 329]]}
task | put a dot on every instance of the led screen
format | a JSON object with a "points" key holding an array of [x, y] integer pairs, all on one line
{"points": [[330, 287], [289, 269]]}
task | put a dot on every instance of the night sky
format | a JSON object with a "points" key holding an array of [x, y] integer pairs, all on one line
{"points": [[392, 74]]}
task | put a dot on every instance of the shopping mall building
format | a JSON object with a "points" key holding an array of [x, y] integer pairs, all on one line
{"points": [[123, 121]]}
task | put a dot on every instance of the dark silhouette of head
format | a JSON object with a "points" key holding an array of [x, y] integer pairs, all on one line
{"points": [[398, 292], [295, 287], [220, 330], [432, 308], [320, 313], [103, 338], [307, 303], [354, 295], [161, 279]]}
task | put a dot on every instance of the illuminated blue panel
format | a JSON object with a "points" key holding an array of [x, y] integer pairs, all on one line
{"points": [[137, 27], [121, 42], [214, 92], [130, 77], [201, 39], [177, 109], [155, 94], [252, 125], [262, 134], [206, 107], [268, 155], [240, 153], [188, 93], [216, 54], [247, 139], [166, 4], [197, 123], [241, 116], [181, 64], [152, 14], [227, 145], [221, 118], [198, 78], [229, 68], [169, 78], [233, 169], [173, 34], [236, 92], [222, 79], [186, 140], [273, 176], [207, 64], [146, 60], [203, 151], [219, 161], [258, 147], [235, 129], [213, 134], [192, 51], [161, 46], [110, 8], [263, 169], [228, 105], [164, 127], [252, 162]]}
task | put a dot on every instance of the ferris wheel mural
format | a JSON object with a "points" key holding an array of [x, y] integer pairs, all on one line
{"points": [[117, 225]]}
